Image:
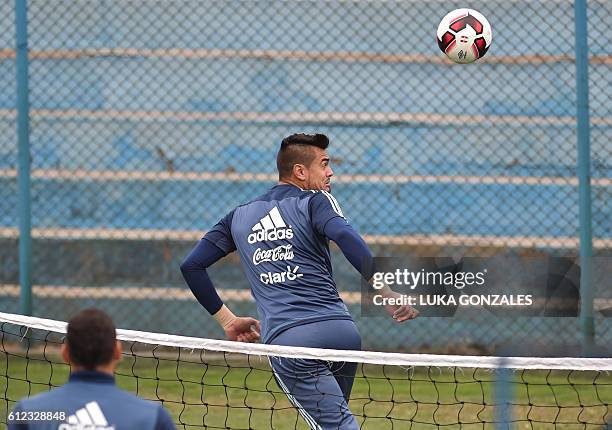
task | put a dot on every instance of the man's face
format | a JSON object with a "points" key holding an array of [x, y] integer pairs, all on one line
{"points": [[319, 172]]}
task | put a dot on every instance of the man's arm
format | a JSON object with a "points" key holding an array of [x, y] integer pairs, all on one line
{"points": [[351, 244], [328, 219], [217, 243], [357, 253], [193, 268]]}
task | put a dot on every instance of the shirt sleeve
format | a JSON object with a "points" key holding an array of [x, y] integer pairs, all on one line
{"points": [[221, 234], [352, 246], [193, 268], [164, 420], [323, 208]]}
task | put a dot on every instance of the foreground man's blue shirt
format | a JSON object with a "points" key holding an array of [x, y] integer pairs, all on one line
{"points": [[91, 401]]}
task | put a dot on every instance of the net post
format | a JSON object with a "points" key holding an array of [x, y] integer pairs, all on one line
{"points": [[23, 138], [584, 177], [503, 395]]}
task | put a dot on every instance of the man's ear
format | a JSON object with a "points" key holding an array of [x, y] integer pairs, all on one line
{"points": [[299, 171], [65, 352], [117, 351]]}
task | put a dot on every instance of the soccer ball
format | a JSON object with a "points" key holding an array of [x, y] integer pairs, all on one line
{"points": [[464, 35]]}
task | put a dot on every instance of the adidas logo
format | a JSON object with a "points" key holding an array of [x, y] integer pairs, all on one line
{"points": [[88, 418], [270, 228]]}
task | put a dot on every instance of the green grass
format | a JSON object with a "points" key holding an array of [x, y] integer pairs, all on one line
{"points": [[245, 395]]}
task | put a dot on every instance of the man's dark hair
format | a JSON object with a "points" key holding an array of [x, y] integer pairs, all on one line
{"points": [[91, 338], [296, 149]]}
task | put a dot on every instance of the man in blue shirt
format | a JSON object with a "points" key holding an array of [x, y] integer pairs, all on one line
{"points": [[89, 400], [283, 241]]}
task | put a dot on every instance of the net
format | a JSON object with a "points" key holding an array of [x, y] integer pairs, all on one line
{"points": [[227, 385]]}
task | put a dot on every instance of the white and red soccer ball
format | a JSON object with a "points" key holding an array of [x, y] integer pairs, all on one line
{"points": [[464, 35]]}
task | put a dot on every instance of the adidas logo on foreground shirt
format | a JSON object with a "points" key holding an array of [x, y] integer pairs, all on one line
{"points": [[270, 228], [89, 417]]}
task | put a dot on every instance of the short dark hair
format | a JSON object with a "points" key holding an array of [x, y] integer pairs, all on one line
{"points": [[295, 149], [91, 338]]}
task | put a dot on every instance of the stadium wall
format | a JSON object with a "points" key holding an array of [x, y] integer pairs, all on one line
{"points": [[150, 123]]}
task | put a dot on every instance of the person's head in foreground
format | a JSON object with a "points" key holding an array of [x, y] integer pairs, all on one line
{"points": [[303, 161], [91, 342]]}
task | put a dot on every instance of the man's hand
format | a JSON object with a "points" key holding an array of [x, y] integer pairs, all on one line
{"points": [[243, 329], [402, 313], [399, 313]]}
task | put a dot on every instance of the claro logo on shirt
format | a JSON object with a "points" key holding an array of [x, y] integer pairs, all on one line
{"points": [[270, 228], [271, 278]]}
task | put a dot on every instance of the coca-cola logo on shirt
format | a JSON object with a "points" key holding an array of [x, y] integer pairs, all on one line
{"points": [[282, 252]]}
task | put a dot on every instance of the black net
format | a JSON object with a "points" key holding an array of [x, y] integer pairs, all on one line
{"points": [[211, 388], [151, 121]]}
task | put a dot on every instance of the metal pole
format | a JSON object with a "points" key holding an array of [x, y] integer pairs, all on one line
{"points": [[503, 395], [584, 177], [23, 137]]}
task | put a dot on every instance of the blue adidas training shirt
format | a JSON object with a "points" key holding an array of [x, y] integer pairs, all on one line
{"points": [[283, 241], [90, 401]]}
